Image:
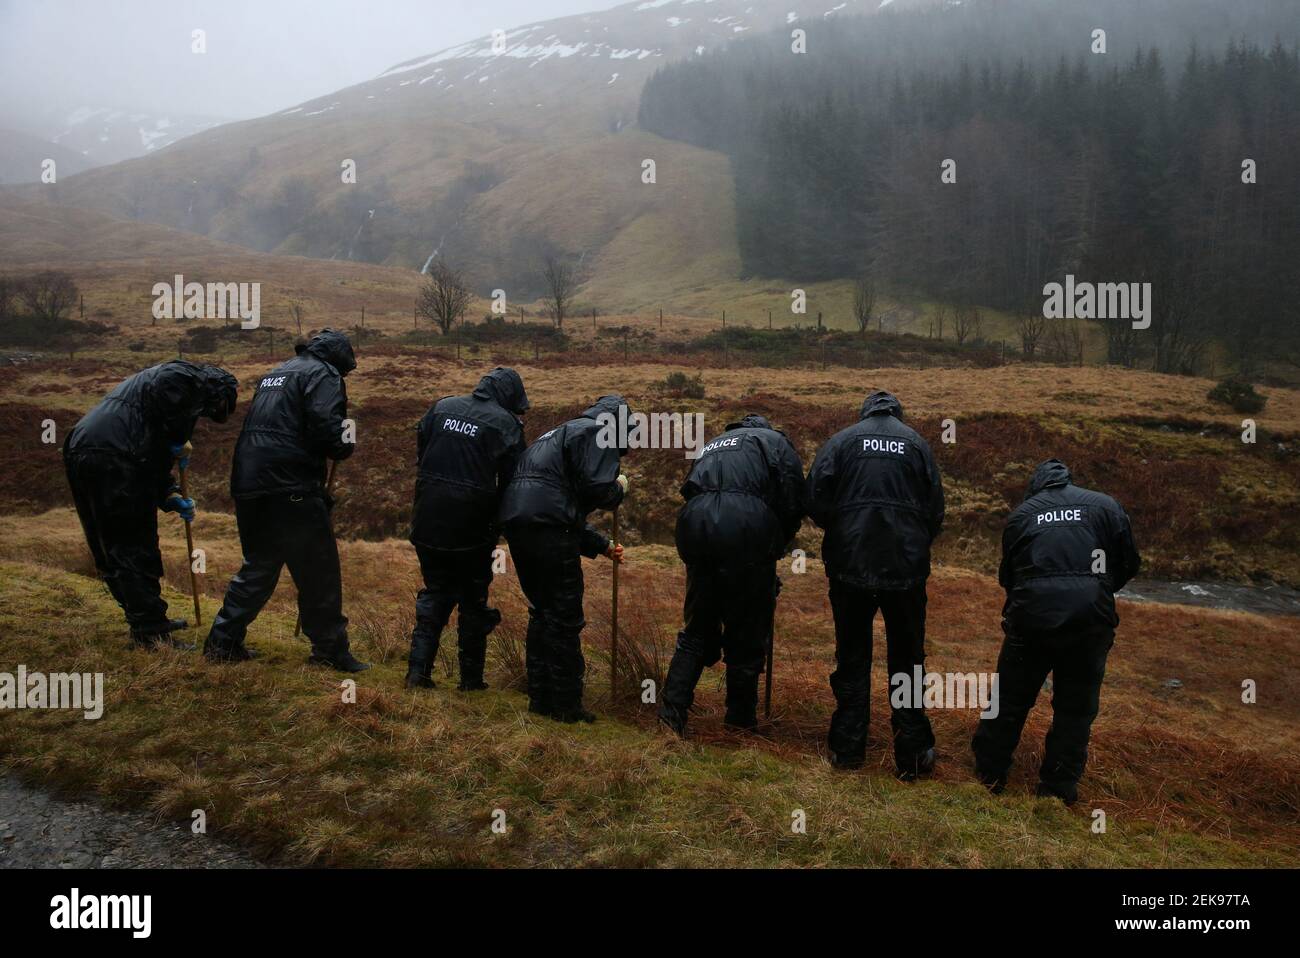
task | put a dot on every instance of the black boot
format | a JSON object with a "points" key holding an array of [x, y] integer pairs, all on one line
{"points": [[471, 665], [176, 625], [679, 689], [994, 783], [338, 657], [214, 652], [570, 715], [419, 665], [539, 690], [566, 706], [158, 638], [923, 764], [1067, 792], [742, 699]]}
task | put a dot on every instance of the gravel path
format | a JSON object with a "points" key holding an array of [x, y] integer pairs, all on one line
{"points": [[37, 831]]}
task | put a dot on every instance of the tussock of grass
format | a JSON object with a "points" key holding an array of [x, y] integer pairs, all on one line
{"points": [[402, 778]]}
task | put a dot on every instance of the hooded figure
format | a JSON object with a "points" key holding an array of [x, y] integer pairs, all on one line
{"points": [[295, 423], [566, 473], [874, 487], [876, 491], [744, 503], [466, 451], [119, 461], [744, 497], [1066, 551]]}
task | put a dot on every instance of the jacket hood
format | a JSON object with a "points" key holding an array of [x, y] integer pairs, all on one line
{"points": [[220, 393], [1050, 473], [332, 347], [504, 387], [607, 404], [751, 421], [610, 405], [881, 403]]}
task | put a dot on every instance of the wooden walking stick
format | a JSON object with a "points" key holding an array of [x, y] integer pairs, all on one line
{"points": [[189, 556], [613, 621], [329, 487], [767, 695], [771, 642]]}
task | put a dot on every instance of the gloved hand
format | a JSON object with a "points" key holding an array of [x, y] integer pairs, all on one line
{"points": [[180, 505], [181, 452], [622, 483], [615, 552]]}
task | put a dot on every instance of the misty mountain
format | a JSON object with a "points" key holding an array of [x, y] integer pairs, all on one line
{"points": [[101, 135], [491, 154], [22, 156]]}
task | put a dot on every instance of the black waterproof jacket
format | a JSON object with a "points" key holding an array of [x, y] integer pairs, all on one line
{"points": [[146, 414], [744, 498], [875, 489], [467, 448], [295, 422], [566, 474], [1066, 551]]}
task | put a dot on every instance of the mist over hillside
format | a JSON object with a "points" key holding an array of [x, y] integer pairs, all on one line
{"points": [[85, 137], [491, 154], [1124, 162]]}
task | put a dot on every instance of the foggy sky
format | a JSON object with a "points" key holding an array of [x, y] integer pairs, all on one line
{"points": [[262, 55]]}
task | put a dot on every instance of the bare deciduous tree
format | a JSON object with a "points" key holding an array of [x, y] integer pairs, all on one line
{"points": [[864, 302], [966, 323], [48, 295], [1121, 341], [1065, 342], [443, 297], [1031, 327], [561, 284], [1178, 325], [297, 312]]}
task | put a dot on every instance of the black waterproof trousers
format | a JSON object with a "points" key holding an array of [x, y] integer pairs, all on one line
{"points": [[453, 580], [119, 514], [854, 609], [726, 613], [1077, 665], [549, 564], [275, 531]]}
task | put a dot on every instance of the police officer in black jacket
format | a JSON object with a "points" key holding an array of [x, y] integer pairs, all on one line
{"points": [[119, 460], [1066, 551], [561, 478], [744, 503], [295, 423], [466, 448], [875, 489]]}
